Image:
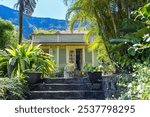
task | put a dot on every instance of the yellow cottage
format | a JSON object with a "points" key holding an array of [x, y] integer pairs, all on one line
{"points": [[67, 47]]}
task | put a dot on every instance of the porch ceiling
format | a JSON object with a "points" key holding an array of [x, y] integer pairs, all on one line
{"points": [[62, 44]]}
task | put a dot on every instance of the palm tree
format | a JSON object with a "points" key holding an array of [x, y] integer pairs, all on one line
{"points": [[97, 13], [106, 15], [25, 7], [104, 19]]}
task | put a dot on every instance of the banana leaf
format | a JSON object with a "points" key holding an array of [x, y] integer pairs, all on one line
{"points": [[120, 40]]}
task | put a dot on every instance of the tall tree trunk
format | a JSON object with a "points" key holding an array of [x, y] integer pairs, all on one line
{"points": [[102, 31], [20, 21]]}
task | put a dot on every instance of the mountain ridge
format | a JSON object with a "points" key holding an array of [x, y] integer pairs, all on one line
{"points": [[30, 23]]}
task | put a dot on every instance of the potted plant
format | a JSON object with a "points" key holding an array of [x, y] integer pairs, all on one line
{"points": [[94, 73], [69, 70], [33, 75]]}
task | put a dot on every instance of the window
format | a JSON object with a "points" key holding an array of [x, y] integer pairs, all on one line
{"points": [[71, 56]]}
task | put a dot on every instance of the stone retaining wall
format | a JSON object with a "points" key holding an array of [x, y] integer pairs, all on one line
{"points": [[109, 86]]}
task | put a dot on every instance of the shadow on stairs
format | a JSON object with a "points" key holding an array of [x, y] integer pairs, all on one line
{"points": [[71, 88]]}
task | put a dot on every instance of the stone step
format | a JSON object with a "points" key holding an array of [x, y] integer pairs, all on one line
{"points": [[63, 80], [60, 87], [80, 94]]}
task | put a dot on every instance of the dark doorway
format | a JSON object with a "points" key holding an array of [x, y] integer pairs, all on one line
{"points": [[78, 59]]}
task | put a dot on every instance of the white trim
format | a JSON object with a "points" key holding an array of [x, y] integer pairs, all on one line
{"points": [[93, 58], [58, 56], [67, 55]]}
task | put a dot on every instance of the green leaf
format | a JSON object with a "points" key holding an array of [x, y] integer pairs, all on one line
{"points": [[10, 51], [120, 40], [131, 51], [12, 61]]}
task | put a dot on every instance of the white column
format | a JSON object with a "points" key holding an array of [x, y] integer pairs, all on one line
{"points": [[93, 57], [67, 55], [58, 56]]}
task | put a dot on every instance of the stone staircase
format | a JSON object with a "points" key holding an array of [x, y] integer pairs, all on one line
{"points": [[71, 88]]}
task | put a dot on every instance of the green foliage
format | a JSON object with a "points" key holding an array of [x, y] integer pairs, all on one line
{"points": [[91, 68], [95, 11], [88, 68], [140, 52], [133, 46], [108, 16], [107, 19], [102, 54], [7, 34], [117, 40], [27, 57], [144, 14], [69, 67], [96, 17], [137, 86], [12, 89], [141, 49], [60, 72], [3, 63]]}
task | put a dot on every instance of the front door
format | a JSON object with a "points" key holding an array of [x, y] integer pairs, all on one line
{"points": [[79, 59], [76, 57]]}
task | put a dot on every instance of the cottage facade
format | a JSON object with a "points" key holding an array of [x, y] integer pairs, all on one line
{"points": [[66, 47]]}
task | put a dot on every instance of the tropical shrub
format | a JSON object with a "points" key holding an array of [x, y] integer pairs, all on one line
{"points": [[12, 89], [141, 49], [91, 68], [133, 44], [26, 57], [134, 49], [7, 34], [3, 63], [137, 85]]}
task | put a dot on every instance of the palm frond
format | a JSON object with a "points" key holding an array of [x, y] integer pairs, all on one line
{"points": [[28, 6]]}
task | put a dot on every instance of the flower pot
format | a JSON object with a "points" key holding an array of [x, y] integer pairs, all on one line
{"points": [[95, 77], [68, 74], [33, 78]]}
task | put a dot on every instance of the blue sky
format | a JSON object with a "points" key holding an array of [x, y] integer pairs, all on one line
{"points": [[45, 8]]}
